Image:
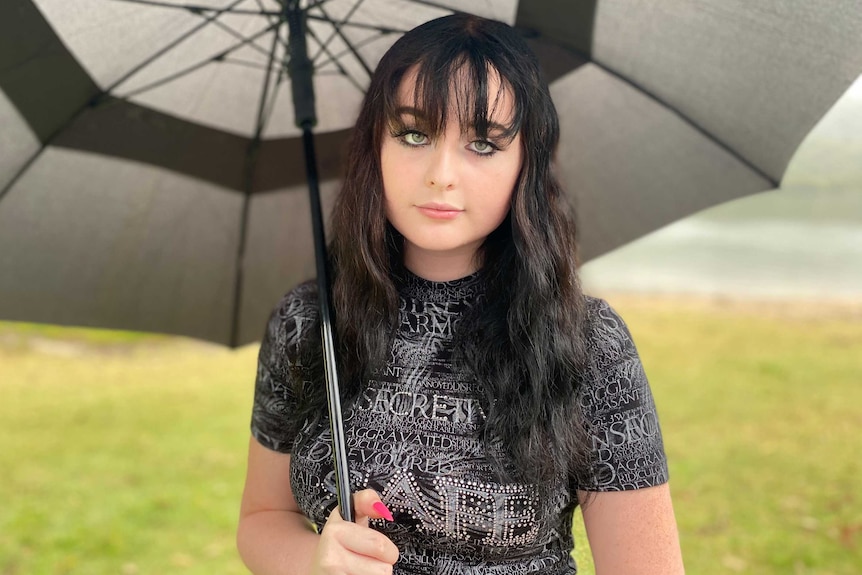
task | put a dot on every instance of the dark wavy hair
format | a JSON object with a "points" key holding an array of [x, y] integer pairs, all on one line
{"points": [[524, 342]]}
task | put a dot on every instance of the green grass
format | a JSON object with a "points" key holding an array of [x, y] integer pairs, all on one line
{"points": [[122, 462], [763, 425], [125, 455]]}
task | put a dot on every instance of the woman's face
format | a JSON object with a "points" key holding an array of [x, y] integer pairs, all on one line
{"points": [[446, 194]]}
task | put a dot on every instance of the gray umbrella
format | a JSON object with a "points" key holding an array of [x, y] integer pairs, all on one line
{"points": [[151, 174]]}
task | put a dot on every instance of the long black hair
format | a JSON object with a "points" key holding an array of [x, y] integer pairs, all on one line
{"points": [[525, 342]]}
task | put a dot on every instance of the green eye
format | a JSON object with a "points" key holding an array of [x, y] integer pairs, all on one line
{"points": [[415, 138], [483, 147]]}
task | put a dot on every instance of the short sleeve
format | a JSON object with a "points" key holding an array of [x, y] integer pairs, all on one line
{"points": [[619, 410], [273, 420]]}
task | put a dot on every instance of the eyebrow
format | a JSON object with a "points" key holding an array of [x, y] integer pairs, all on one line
{"points": [[420, 115]]}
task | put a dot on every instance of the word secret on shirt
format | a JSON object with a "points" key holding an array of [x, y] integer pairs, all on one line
{"points": [[419, 405]]}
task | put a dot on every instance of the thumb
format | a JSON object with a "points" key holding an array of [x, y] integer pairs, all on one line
{"points": [[367, 505]]}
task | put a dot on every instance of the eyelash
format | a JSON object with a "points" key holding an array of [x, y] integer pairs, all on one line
{"points": [[401, 135]]}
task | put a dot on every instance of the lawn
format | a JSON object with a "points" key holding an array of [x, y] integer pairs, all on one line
{"points": [[123, 454]]}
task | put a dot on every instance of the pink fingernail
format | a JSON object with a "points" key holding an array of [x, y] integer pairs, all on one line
{"points": [[383, 510]]}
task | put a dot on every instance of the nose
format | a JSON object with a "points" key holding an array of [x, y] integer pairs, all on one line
{"points": [[442, 172]]}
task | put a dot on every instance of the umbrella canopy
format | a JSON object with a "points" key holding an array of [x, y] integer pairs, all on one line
{"points": [[152, 178]]}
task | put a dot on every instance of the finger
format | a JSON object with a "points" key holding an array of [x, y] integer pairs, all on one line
{"points": [[368, 565], [355, 564], [334, 516], [349, 548], [364, 541], [367, 503], [357, 537]]}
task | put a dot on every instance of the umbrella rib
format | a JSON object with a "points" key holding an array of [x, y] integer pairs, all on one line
{"points": [[275, 17], [314, 4], [437, 5], [272, 100], [217, 58], [199, 9], [329, 72], [334, 57], [261, 117], [239, 36], [168, 48], [360, 25], [341, 69], [246, 63], [694, 125], [271, 16], [248, 177], [335, 25], [282, 70], [24, 169], [350, 46]]}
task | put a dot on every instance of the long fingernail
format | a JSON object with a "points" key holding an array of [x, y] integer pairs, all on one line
{"points": [[383, 510]]}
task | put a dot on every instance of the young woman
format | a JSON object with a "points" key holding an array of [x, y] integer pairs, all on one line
{"points": [[485, 396]]}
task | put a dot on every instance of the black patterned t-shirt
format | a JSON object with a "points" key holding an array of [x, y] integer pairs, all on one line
{"points": [[415, 436]]}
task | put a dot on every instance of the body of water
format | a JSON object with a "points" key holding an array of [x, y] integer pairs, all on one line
{"points": [[767, 257], [803, 241]]}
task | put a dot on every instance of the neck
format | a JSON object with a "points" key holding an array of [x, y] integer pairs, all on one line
{"points": [[440, 267]]}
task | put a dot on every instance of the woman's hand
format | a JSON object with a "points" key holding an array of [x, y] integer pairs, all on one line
{"points": [[354, 548]]}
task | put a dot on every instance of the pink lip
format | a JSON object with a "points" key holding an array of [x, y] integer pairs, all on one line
{"points": [[439, 211]]}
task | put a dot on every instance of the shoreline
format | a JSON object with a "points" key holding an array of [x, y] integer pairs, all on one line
{"points": [[74, 341], [809, 308]]}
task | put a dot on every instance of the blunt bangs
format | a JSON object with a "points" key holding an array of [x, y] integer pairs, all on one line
{"points": [[461, 65]]}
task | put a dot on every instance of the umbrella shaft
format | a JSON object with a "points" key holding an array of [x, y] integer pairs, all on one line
{"points": [[299, 67], [339, 448]]}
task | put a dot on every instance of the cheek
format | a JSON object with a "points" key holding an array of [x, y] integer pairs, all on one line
{"points": [[509, 182], [512, 173], [496, 205], [393, 172], [387, 164], [503, 207]]}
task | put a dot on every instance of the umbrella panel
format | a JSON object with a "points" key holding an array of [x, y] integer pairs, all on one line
{"points": [[133, 246], [641, 145], [684, 105], [17, 142]]}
